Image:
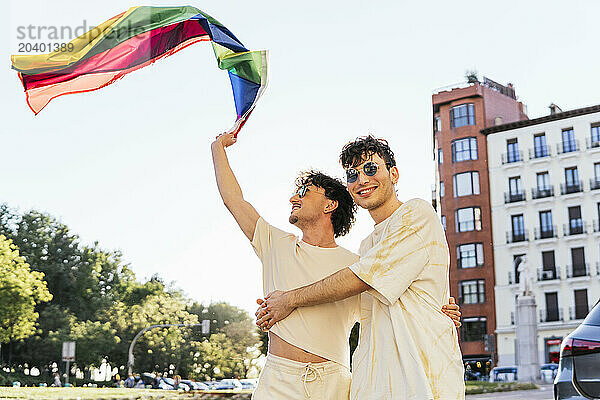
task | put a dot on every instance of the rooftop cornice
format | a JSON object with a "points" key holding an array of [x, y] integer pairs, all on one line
{"points": [[548, 118]]}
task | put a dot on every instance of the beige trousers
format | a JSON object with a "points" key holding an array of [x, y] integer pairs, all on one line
{"points": [[293, 380]]}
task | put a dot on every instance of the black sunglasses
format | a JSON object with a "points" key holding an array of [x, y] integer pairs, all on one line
{"points": [[301, 192], [369, 168]]}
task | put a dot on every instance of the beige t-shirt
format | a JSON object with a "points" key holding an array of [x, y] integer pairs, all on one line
{"points": [[408, 349], [289, 263]]}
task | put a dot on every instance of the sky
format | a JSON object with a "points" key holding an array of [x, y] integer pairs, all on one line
{"points": [[129, 166]]}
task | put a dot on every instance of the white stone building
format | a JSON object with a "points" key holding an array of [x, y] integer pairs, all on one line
{"points": [[545, 200]]}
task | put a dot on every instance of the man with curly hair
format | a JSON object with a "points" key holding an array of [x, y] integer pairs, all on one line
{"points": [[407, 349], [308, 352]]}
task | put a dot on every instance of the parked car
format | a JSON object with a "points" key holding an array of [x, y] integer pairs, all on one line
{"points": [[548, 372], [249, 383], [166, 384], [211, 384], [228, 384], [578, 375], [472, 376], [504, 374], [194, 385]]}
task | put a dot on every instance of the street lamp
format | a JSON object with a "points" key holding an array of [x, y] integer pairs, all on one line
{"points": [[140, 333]]}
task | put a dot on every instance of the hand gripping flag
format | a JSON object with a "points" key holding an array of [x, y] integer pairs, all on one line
{"points": [[133, 40]]}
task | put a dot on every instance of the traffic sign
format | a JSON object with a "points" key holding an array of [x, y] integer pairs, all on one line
{"points": [[68, 351]]}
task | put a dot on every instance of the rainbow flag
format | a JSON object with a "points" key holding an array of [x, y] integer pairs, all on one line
{"points": [[132, 40]]}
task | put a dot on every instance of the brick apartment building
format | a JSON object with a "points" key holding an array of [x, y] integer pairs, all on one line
{"points": [[460, 112]]}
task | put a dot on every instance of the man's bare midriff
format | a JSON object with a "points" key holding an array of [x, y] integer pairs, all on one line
{"points": [[281, 348]]}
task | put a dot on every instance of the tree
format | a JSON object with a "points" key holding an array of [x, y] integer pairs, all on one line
{"points": [[85, 281], [97, 302], [158, 348], [471, 76], [244, 342], [21, 289]]}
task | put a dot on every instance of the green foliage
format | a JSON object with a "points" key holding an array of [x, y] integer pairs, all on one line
{"points": [[20, 290], [491, 387], [471, 76], [353, 340], [242, 340], [98, 303]]}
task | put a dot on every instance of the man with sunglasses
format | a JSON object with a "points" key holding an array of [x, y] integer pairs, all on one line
{"points": [[308, 352], [407, 349]]}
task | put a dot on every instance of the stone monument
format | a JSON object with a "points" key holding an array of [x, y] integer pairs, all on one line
{"points": [[526, 325]]}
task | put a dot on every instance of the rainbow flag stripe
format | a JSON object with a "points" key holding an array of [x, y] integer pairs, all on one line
{"points": [[132, 40]]}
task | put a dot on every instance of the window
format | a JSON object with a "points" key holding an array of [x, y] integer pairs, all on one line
{"points": [[571, 176], [543, 189], [595, 181], [473, 329], [515, 190], [568, 140], [468, 219], [540, 149], [514, 185], [595, 135], [466, 184], [512, 151], [464, 149], [581, 303], [518, 228], [578, 267], [442, 189], [437, 124], [572, 184], [472, 292], [469, 255], [552, 313], [548, 265], [440, 156], [543, 181], [443, 219], [575, 221], [546, 227], [462, 115]]}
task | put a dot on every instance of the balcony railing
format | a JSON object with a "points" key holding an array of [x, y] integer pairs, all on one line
{"points": [[567, 147], [578, 312], [578, 270], [513, 197], [551, 315], [574, 227], [594, 183], [512, 157], [574, 187], [542, 192], [539, 152], [548, 274], [513, 279], [592, 143], [515, 237], [546, 232]]}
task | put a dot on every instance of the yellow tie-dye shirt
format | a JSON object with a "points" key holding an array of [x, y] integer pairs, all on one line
{"points": [[408, 349]]}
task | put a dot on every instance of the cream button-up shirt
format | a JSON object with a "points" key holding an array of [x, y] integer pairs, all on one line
{"points": [[408, 349]]}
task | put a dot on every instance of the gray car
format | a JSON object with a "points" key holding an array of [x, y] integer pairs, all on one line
{"points": [[579, 368]]}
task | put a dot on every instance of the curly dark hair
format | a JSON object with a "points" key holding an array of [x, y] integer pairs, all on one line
{"points": [[355, 152], [343, 216]]}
